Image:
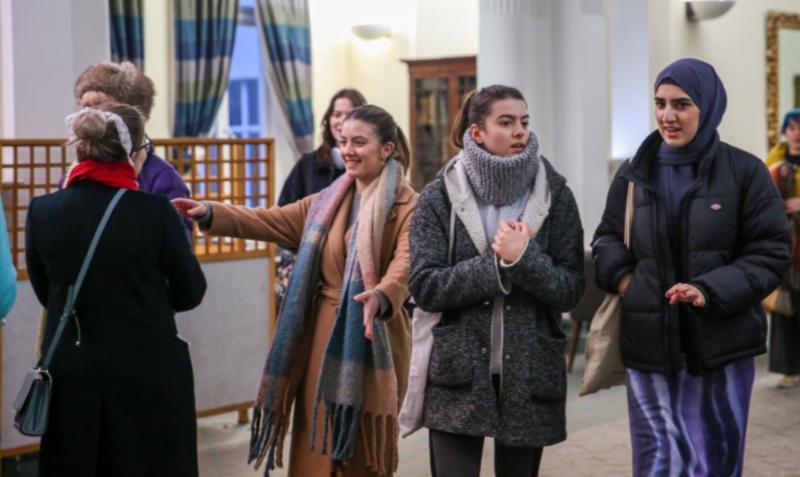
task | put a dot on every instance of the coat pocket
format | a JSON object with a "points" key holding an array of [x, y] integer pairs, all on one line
{"points": [[451, 363], [547, 375]]}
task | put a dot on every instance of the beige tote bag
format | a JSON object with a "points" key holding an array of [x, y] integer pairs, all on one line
{"points": [[604, 367], [410, 419]]}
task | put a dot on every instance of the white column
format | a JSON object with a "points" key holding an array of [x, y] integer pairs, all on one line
{"points": [[631, 91], [514, 48], [159, 54], [46, 44], [555, 52]]}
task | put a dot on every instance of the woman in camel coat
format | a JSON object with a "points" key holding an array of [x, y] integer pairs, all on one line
{"points": [[285, 226]]}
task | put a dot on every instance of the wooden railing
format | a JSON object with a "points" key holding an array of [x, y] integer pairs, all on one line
{"points": [[235, 171]]}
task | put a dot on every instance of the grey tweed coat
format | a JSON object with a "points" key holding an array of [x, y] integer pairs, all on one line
{"points": [[546, 281]]}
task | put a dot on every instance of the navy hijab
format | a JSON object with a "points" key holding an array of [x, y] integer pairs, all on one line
{"points": [[699, 80], [676, 169]]}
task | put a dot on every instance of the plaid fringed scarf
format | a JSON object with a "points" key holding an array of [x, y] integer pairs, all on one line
{"points": [[357, 382]]}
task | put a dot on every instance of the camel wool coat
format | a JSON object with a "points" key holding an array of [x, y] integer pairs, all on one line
{"points": [[284, 226]]}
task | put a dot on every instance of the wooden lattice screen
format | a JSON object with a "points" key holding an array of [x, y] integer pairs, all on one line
{"points": [[235, 171]]}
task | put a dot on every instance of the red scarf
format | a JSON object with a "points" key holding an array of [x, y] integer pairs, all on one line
{"points": [[120, 174]]}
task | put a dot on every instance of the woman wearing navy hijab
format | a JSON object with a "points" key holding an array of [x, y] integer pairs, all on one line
{"points": [[709, 241]]}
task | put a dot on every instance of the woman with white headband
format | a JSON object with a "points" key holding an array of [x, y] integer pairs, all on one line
{"points": [[123, 393]]}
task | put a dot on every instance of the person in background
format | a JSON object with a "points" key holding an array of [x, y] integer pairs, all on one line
{"points": [[497, 366], [315, 171], [124, 83], [123, 399], [709, 241], [784, 164], [8, 274], [318, 169], [342, 346]]}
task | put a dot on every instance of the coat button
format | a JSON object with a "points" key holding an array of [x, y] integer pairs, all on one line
{"points": [[508, 356], [508, 307], [484, 350], [486, 303]]}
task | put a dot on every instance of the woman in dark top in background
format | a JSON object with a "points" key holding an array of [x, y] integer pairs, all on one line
{"points": [[318, 169], [315, 171]]}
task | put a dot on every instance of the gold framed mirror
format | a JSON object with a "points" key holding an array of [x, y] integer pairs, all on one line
{"points": [[783, 69]]}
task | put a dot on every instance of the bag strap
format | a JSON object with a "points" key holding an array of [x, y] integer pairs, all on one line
{"points": [[451, 239], [72, 291], [628, 216]]}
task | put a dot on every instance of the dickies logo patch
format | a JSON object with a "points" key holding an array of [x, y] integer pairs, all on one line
{"points": [[716, 206]]}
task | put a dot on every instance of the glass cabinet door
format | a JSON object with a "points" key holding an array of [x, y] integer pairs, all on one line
{"points": [[466, 84], [431, 128], [437, 87]]}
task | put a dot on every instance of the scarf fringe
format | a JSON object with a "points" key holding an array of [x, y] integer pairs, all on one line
{"points": [[267, 434], [379, 436], [341, 423], [380, 442]]}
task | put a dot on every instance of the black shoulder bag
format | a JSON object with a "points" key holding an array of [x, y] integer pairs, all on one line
{"points": [[32, 405]]}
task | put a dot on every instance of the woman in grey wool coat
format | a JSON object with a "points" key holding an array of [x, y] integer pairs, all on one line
{"points": [[497, 363]]}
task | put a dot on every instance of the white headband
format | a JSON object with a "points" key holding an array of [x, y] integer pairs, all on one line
{"points": [[122, 129]]}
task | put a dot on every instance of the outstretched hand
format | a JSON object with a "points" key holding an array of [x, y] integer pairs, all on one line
{"points": [[372, 304], [191, 209]]}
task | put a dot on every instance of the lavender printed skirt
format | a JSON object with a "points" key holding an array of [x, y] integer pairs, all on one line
{"points": [[684, 425]]}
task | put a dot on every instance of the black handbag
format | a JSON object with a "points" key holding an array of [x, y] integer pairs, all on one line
{"points": [[32, 405]]}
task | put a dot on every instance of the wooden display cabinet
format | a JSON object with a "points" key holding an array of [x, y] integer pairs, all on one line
{"points": [[437, 89]]}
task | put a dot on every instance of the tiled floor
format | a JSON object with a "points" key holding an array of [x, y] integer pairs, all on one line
{"points": [[598, 442]]}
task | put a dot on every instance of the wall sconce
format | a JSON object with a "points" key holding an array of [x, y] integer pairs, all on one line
{"points": [[697, 10], [371, 31]]}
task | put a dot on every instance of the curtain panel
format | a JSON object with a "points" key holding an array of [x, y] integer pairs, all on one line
{"points": [[285, 29], [204, 34], [127, 37]]}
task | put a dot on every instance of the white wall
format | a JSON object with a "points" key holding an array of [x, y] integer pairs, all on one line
{"points": [[340, 59], [629, 76], [3, 47], [39, 69], [158, 55], [789, 61], [735, 44], [446, 28]]}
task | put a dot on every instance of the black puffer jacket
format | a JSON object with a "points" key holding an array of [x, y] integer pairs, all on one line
{"points": [[735, 247]]}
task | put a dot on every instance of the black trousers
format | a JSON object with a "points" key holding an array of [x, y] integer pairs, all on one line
{"points": [[458, 455], [784, 344]]}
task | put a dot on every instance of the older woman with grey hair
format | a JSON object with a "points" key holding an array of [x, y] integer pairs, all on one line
{"points": [[124, 83]]}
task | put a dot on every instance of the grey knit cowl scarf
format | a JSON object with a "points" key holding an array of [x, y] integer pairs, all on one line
{"points": [[500, 180]]}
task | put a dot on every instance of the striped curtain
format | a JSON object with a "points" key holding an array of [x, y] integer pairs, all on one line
{"points": [[204, 34], [127, 39], [287, 35]]}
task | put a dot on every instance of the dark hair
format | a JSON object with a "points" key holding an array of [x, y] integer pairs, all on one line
{"points": [[386, 129], [123, 82], [96, 138], [328, 142], [476, 107]]}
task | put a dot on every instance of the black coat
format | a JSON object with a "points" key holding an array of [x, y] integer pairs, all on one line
{"points": [[309, 176], [735, 247], [123, 401], [546, 281]]}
